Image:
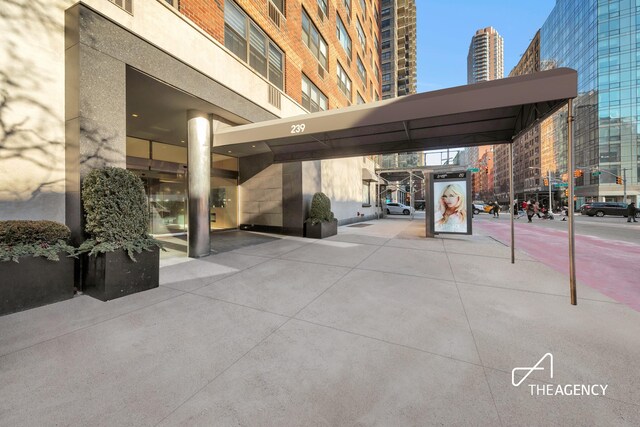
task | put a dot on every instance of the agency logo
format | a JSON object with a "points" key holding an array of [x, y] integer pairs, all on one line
{"points": [[523, 373]]}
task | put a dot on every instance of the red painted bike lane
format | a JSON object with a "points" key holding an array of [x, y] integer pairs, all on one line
{"points": [[609, 266]]}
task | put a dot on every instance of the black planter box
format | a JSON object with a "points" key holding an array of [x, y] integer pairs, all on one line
{"points": [[35, 281], [321, 230], [112, 275]]}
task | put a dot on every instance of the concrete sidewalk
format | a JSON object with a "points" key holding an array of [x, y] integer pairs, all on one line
{"points": [[375, 326]]}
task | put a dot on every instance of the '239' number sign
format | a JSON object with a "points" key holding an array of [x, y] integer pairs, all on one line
{"points": [[297, 128]]}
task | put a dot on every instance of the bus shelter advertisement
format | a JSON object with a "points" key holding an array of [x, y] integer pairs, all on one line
{"points": [[451, 202]]}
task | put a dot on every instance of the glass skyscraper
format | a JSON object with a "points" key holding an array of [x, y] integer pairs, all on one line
{"points": [[600, 39]]}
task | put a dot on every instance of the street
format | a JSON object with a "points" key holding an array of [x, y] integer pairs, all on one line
{"points": [[607, 249], [607, 227]]}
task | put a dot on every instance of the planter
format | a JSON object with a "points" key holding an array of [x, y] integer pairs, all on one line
{"points": [[321, 230], [35, 281], [112, 275]]}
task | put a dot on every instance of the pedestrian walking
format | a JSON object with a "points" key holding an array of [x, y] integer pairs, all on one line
{"points": [[530, 211], [631, 212], [495, 210], [515, 211], [536, 209]]}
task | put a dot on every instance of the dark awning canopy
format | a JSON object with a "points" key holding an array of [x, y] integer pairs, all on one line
{"points": [[490, 112]]}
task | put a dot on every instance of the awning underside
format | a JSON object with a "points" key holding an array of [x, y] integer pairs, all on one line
{"points": [[485, 113]]}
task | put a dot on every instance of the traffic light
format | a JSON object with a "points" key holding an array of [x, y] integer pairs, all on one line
{"points": [[546, 182], [566, 193], [618, 180], [486, 170], [577, 173]]}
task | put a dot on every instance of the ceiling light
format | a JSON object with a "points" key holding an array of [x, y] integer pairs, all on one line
{"points": [[134, 115]]}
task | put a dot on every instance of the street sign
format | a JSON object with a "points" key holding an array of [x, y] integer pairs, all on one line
{"points": [[561, 184], [596, 173], [473, 170]]}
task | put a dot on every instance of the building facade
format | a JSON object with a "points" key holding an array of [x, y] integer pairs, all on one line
{"points": [[95, 83], [598, 38], [485, 60], [528, 173], [398, 48], [398, 63]]}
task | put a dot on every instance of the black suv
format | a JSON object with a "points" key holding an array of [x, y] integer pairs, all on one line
{"points": [[601, 209]]}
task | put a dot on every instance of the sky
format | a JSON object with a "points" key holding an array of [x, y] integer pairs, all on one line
{"points": [[445, 28]]}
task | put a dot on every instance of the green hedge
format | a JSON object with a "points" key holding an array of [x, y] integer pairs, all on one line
{"points": [[33, 238], [320, 209], [116, 212]]}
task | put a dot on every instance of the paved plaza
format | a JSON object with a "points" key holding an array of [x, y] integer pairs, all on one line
{"points": [[375, 326]]}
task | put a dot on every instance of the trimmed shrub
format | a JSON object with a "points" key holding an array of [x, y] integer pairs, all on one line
{"points": [[116, 213], [320, 209], [33, 238]]}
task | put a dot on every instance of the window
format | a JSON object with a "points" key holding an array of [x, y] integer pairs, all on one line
{"points": [[386, 56], [386, 77], [362, 72], [314, 41], [385, 12], [279, 4], [366, 193], [361, 35], [359, 98], [322, 4], [385, 35], [386, 44], [262, 54], [347, 4], [363, 6], [386, 88], [344, 82], [312, 99], [343, 37], [385, 23], [386, 66]]}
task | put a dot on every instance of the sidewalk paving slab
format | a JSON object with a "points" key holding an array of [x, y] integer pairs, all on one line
{"points": [[377, 326]]}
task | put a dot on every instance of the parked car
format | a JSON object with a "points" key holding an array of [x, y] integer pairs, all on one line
{"points": [[399, 208], [601, 209]]}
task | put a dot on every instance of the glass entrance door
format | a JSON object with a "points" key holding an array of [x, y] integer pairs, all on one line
{"points": [[167, 197], [224, 203]]}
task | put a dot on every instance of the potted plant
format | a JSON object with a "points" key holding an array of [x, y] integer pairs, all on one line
{"points": [[35, 267], [321, 222], [120, 257]]}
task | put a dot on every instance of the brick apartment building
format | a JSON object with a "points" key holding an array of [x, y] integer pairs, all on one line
{"points": [[115, 83], [307, 34]]}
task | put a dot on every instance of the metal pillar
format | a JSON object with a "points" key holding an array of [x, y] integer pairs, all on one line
{"points": [[411, 194], [428, 206], [571, 164], [514, 211], [199, 174], [549, 183], [624, 185]]}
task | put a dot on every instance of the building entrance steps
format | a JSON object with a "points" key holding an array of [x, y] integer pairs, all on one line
{"points": [[376, 325]]}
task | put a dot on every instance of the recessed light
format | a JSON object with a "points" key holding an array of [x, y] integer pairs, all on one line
{"points": [[229, 151], [182, 141], [134, 115], [253, 146]]}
